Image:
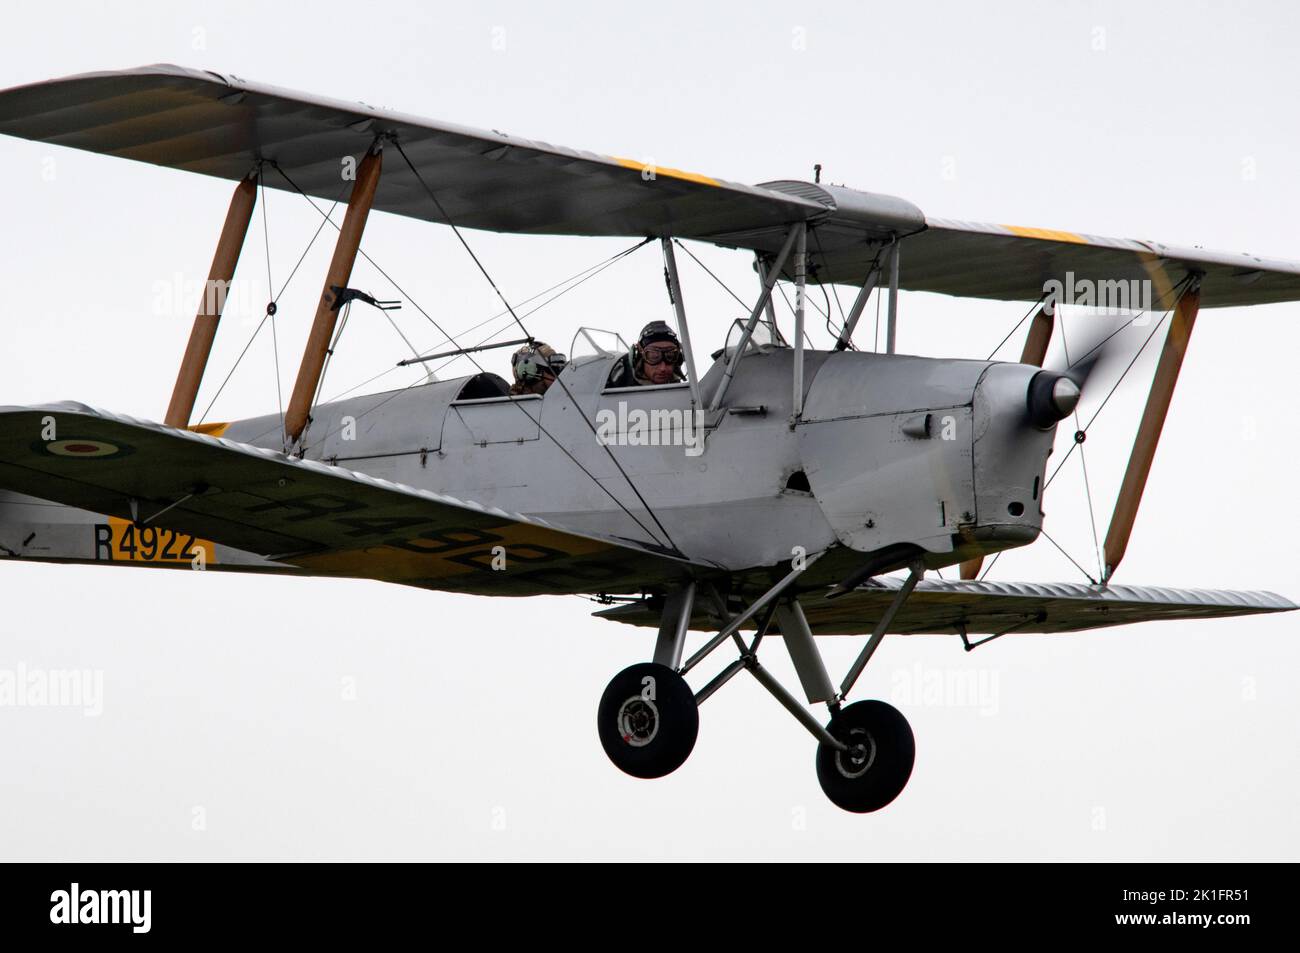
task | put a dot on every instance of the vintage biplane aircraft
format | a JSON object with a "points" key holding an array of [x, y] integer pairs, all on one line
{"points": [[817, 472]]}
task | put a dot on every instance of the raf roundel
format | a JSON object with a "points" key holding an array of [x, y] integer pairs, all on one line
{"points": [[81, 447]]}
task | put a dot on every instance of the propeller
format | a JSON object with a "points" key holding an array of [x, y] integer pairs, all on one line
{"points": [[1054, 393]]}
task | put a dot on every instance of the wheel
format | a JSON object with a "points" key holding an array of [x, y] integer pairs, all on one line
{"points": [[878, 763], [648, 720]]}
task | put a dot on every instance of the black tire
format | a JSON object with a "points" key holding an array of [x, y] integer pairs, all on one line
{"points": [[877, 768], [648, 720]]}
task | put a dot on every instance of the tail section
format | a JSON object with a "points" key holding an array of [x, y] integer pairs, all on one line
{"points": [[42, 531]]}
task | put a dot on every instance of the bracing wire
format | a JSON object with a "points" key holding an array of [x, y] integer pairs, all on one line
{"points": [[270, 285], [559, 379], [573, 282], [275, 300]]}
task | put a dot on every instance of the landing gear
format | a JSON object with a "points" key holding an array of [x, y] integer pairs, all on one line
{"points": [[648, 720], [877, 762]]}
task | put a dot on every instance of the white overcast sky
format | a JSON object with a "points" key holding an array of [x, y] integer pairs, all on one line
{"points": [[472, 734]]}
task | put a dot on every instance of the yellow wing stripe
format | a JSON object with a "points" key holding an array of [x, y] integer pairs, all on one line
{"points": [[210, 430], [1047, 234], [649, 170]]}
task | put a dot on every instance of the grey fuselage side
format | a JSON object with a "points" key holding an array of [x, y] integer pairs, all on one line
{"points": [[893, 450]]}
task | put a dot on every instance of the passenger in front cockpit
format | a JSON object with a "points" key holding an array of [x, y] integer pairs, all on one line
{"points": [[535, 367]]}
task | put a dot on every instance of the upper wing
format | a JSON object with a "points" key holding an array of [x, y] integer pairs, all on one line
{"points": [[1013, 263], [325, 520], [939, 606], [220, 125]]}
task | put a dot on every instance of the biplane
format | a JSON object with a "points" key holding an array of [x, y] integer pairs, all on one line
{"points": [[824, 484]]}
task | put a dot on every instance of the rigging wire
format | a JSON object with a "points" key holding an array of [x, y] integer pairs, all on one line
{"points": [[709, 272], [1068, 556], [270, 310], [232, 370], [540, 428], [582, 275], [1114, 387], [829, 330], [328, 219], [1034, 307], [329, 351], [776, 285], [1175, 291], [844, 320], [451, 360], [577, 279], [790, 307], [275, 300], [573, 282], [1083, 459], [875, 338], [610, 453], [319, 228], [448, 338], [452, 338], [844, 326]]}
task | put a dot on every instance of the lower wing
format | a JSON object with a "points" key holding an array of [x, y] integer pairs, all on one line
{"points": [[162, 494], [995, 608]]}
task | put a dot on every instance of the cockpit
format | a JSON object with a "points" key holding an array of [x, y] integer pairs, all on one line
{"points": [[483, 386]]}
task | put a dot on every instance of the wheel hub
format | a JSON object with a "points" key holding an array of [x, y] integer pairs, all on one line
{"points": [[638, 721], [859, 757]]}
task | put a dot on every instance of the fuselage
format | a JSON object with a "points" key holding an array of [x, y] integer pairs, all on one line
{"points": [[889, 451]]}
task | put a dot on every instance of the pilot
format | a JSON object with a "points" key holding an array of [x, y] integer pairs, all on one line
{"points": [[535, 367], [656, 358]]}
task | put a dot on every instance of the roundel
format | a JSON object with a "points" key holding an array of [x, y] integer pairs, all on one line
{"points": [[82, 447]]}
